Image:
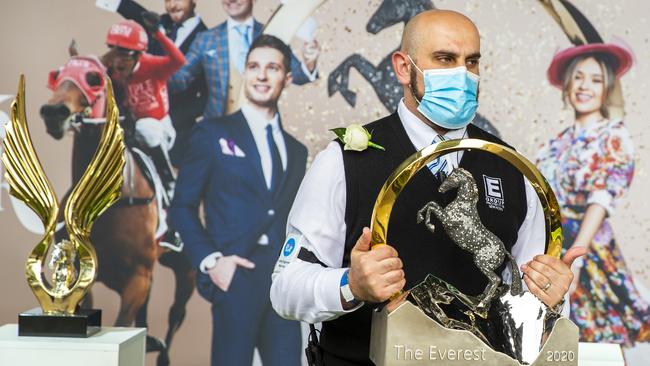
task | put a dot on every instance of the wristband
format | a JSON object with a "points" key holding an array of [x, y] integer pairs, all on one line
{"points": [[345, 289]]}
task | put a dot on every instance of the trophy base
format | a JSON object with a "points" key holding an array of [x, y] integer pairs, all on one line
{"points": [[406, 336], [83, 324]]}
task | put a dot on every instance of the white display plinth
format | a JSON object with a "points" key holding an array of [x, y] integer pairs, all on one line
{"points": [[600, 354], [109, 347]]}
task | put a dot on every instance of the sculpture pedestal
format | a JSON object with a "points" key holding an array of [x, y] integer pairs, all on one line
{"points": [[602, 354], [407, 336], [83, 324], [109, 347]]}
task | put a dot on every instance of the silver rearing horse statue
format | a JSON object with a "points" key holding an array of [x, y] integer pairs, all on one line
{"points": [[462, 223]]}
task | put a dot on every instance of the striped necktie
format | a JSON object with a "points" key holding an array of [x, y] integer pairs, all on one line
{"points": [[439, 167]]}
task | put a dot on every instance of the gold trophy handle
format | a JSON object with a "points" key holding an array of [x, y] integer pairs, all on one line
{"points": [[400, 177]]}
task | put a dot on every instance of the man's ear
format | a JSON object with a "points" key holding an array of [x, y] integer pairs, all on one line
{"points": [[288, 79], [402, 67]]}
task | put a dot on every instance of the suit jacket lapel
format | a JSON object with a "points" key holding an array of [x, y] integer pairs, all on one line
{"points": [[257, 29], [243, 137], [185, 46], [288, 146], [223, 57]]}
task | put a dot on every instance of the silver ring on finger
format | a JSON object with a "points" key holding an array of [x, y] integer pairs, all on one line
{"points": [[548, 285]]}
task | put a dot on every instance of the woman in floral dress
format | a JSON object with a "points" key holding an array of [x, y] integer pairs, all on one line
{"points": [[590, 166]]}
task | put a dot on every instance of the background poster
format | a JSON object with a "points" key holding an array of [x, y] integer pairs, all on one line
{"points": [[518, 37]]}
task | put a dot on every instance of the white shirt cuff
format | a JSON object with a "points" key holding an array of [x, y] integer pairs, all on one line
{"points": [[108, 5], [331, 292], [602, 198], [310, 75], [203, 266]]}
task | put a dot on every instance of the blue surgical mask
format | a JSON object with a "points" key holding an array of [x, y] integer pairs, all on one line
{"points": [[450, 96]]}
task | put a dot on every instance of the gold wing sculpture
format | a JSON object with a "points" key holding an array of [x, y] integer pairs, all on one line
{"points": [[96, 191]]}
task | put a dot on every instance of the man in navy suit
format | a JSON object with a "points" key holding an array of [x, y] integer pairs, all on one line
{"points": [[217, 56], [246, 170]]}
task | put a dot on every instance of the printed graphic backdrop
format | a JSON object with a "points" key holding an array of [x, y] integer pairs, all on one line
{"points": [[519, 39]]}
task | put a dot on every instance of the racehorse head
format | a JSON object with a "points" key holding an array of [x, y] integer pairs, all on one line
{"points": [[458, 177], [78, 92], [391, 12]]}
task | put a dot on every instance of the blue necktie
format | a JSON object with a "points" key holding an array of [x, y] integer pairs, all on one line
{"points": [[276, 161], [242, 29], [438, 166]]}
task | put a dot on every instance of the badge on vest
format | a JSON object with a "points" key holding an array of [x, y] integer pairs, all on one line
{"points": [[493, 193]]}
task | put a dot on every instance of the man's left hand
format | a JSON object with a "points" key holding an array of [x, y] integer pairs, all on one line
{"points": [[310, 53], [549, 278]]}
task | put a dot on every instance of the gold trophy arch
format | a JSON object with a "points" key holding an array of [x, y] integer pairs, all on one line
{"points": [[400, 177], [98, 188]]}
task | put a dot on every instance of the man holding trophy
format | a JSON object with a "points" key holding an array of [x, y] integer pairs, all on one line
{"points": [[327, 271]]}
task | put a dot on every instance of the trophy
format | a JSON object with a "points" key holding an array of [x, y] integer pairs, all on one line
{"points": [[73, 262], [436, 324]]}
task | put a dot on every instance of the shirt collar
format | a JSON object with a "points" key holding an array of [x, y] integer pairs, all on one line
{"points": [[420, 134], [232, 23], [192, 22], [257, 120]]}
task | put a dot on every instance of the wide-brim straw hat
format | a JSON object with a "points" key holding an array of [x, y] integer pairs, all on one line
{"points": [[622, 57]]}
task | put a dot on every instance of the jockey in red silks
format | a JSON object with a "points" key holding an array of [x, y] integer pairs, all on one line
{"points": [[144, 77], [87, 73]]}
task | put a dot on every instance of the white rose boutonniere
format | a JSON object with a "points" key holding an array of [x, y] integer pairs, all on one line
{"points": [[355, 138]]}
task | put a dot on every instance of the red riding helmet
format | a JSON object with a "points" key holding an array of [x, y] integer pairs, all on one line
{"points": [[89, 75], [127, 34]]}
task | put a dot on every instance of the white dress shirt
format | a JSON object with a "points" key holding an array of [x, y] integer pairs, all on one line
{"points": [[185, 29], [311, 293], [235, 46]]}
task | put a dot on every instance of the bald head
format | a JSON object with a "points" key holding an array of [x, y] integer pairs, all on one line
{"points": [[434, 39], [433, 23]]}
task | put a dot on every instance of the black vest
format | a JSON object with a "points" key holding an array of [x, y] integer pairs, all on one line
{"points": [[422, 252]]}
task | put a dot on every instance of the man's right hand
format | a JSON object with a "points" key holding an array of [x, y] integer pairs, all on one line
{"points": [[223, 272], [375, 275]]}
